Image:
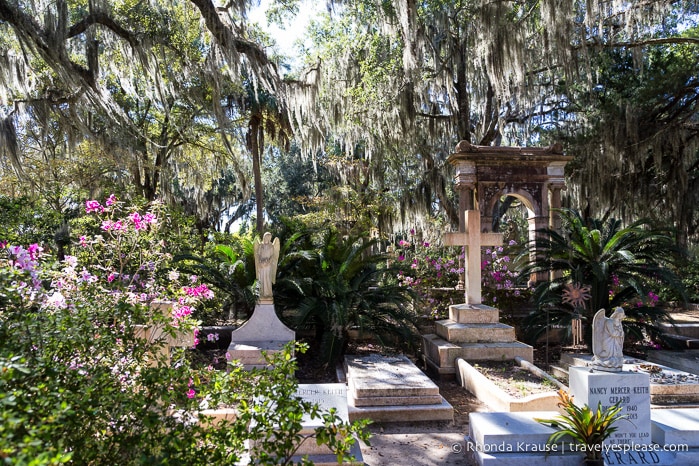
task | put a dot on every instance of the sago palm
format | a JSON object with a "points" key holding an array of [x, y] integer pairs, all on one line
{"points": [[613, 264], [340, 287]]}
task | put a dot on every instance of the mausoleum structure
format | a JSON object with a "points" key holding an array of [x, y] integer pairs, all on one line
{"points": [[483, 175]]}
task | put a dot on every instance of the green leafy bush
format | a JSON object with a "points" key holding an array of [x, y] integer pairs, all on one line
{"points": [[343, 285]]}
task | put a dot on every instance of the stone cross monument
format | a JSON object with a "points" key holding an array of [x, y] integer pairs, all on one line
{"points": [[472, 239]]}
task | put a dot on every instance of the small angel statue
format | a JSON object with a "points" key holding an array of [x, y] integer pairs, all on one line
{"points": [[266, 257], [608, 340]]}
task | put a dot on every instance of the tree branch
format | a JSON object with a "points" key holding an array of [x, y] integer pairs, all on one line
{"points": [[225, 37], [105, 20]]}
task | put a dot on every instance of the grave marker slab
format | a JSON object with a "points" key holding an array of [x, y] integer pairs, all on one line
{"points": [[392, 388], [630, 389], [327, 396]]}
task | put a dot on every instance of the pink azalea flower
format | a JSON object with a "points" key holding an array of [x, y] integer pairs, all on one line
{"points": [[93, 206], [191, 393]]}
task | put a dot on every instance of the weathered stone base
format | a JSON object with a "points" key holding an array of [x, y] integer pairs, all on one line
{"points": [[249, 353], [440, 354], [262, 332], [457, 332]]}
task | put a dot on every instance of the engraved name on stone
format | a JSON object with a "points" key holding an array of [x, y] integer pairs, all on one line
{"points": [[634, 428]]}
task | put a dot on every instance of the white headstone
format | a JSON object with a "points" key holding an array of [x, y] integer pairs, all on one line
{"points": [[630, 389]]}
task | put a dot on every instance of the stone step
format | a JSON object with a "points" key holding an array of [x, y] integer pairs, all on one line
{"points": [[683, 341], [559, 372], [474, 314], [456, 332], [442, 354], [405, 413], [392, 400]]}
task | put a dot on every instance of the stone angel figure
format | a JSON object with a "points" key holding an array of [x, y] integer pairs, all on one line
{"points": [[608, 340], [266, 258]]}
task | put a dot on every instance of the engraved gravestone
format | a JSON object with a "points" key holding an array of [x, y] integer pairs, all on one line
{"points": [[630, 389], [604, 382]]}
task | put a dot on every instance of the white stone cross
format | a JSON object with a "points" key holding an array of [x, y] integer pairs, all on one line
{"points": [[473, 239]]}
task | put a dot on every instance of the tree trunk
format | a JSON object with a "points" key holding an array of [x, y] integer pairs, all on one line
{"points": [[256, 139]]}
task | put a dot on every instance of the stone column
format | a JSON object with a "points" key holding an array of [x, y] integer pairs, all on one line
{"points": [[556, 174], [465, 185]]}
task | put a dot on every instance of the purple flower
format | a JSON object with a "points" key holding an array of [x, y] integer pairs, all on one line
{"points": [[401, 257], [110, 200], [191, 393]]}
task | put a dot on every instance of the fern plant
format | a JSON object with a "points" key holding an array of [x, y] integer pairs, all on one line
{"points": [[342, 286]]}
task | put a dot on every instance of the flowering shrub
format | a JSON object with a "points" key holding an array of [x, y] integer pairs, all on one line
{"points": [[431, 270], [501, 281], [78, 383], [427, 269]]}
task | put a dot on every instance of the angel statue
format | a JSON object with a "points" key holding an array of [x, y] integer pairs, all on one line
{"points": [[608, 341], [266, 257]]}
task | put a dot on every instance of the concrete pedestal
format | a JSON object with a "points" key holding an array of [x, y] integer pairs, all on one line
{"points": [[262, 332]]}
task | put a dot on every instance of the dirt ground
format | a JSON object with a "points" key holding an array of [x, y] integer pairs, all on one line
{"points": [[424, 443]]}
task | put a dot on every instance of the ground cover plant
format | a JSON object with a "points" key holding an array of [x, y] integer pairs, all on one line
{"points": [[78, 385]]}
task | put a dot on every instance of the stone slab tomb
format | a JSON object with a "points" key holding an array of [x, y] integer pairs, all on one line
{"points": [[392, 389], [630, 389], [668, 386], [327, 396]]}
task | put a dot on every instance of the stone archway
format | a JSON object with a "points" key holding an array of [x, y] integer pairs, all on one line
{"points": [[483, 174]]}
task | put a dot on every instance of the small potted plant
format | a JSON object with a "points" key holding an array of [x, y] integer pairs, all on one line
{"points": [[584, 425]]}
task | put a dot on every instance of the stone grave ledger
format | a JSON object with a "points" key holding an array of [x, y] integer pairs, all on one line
{"points": [[630, 389], [392, 389], [327, 396]]}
